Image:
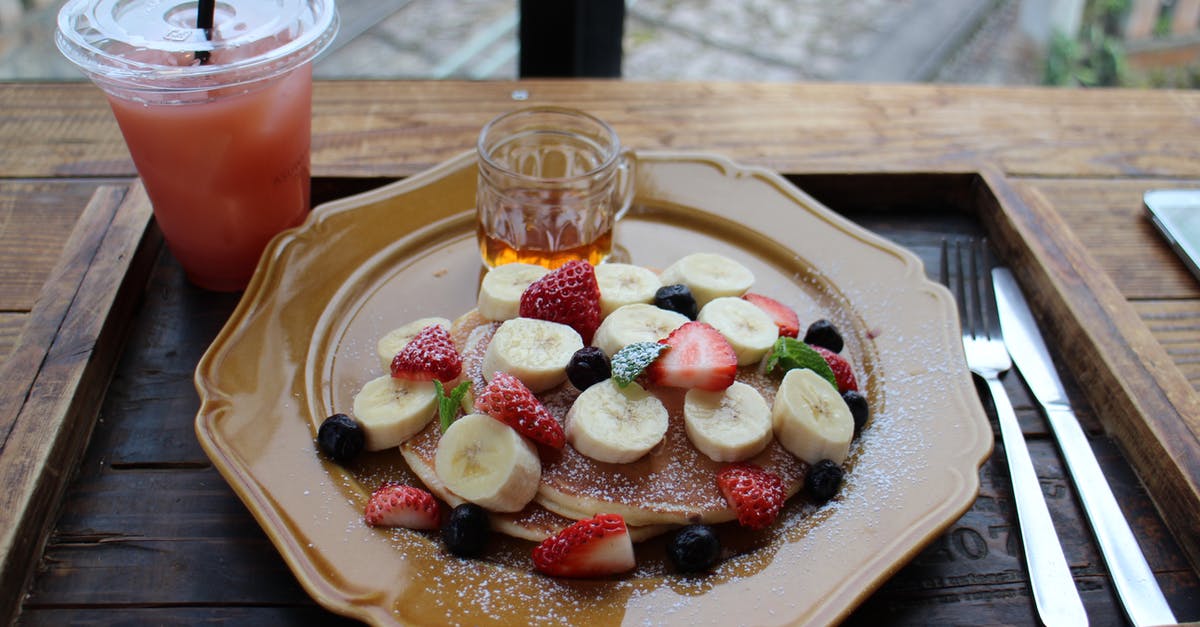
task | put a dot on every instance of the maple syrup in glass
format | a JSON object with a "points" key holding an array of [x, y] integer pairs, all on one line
{"points": [[552, 184]]}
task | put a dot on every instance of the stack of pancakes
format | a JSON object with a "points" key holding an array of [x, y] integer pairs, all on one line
{"points": [[674, 484]]}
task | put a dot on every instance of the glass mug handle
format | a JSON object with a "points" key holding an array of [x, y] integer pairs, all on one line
{"points": [[626, 179]]}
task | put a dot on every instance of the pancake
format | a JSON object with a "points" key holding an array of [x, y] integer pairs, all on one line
{"points": [[673, 484], [534, 523]]}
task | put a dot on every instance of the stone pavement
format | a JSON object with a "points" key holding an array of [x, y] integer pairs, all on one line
{"points": [[767, 40]]}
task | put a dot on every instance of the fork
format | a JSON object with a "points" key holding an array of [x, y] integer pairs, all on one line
{"points": [[1054, 591]]}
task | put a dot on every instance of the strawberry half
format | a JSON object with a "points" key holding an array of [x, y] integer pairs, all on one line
{"points": [[429, 355], [399, 505], [842, 372], [506, 399], [568, 295], [755, 494], [786, 319], [698, 356], [594, 547]]}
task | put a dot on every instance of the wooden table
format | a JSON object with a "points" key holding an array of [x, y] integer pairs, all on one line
{"points": [[112, 512]]}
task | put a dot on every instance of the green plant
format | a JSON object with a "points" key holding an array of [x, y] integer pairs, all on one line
{"points": [[1096, 61], [1097, 57]]}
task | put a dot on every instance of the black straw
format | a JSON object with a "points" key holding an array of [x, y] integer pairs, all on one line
{"points": [[204, 20]]}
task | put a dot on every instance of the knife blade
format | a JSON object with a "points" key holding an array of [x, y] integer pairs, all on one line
{"points": [[1135, 583]]}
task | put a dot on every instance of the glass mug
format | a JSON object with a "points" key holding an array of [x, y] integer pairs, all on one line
{"points": [[553, 182]]}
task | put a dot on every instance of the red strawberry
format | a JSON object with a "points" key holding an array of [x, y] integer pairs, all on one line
{"points": [[594, 547], [568, 295], [398, 505], [842, 371], [698, 357], [506, 399], [755, 494], [786, 319], [428, 356]]}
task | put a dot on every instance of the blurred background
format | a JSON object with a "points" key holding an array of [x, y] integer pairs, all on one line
{"points": [[1117, 43]]}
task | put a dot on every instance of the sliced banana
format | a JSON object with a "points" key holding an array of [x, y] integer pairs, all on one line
{"points": [[395, 340], [487, 463], [709, 276], [393, 410], [535, 351], [750, 331], [501, 289], [624, 284], [612, 424], [638, 322], [810, 418], [728, 426]]}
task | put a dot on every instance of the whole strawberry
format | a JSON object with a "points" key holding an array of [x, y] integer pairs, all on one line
{"points": [[399, 505], [593, 547], [429, 355], [506, 399], [842, 371], [755, 494], [568, 295]]}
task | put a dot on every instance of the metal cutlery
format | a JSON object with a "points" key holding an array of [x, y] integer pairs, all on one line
{"points": [[1138, 590], [1054, 592]]}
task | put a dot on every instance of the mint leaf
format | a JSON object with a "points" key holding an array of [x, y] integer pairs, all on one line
{"points": [[789, 353], [448, 405], [629, 362]]}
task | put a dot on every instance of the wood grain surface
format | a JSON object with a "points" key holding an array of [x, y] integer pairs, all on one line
{"points": [[58, 373], [398, 128], [1143, 400], [148, 532], [146, 502], [1108, 219]]}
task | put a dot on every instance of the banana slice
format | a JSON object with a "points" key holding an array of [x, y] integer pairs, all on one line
{"points": [[638, 322], [810, 418], [728, 426], [535, 351], [395, 340], [393, 410], [750, 331], [624, 284], [501, 289], [709, 276], [612, 424], [484, 461]]}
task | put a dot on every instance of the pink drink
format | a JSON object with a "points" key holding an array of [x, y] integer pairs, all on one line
{"points": [[224, 176], [218, 120]]}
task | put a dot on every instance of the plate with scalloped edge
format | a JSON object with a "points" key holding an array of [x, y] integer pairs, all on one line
{"points": [[301, 342]]}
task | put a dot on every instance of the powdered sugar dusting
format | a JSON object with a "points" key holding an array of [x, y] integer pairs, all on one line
{"points": [[889, 462]]}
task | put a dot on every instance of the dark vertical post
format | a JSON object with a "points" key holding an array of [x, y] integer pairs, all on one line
{"points": [[569, 38]]}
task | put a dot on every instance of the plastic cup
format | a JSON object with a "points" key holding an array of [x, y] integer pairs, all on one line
{"points": [[222, 145]]}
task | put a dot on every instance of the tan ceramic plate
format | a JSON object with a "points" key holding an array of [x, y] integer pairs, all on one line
{"points": [[301, 343]]}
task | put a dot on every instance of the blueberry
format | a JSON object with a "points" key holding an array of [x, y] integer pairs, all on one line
{"points": [[341, 438], [694, 548], [588, 366], [823, 480], [466, 533], [858, 408], [678, 298], [822, 333]]}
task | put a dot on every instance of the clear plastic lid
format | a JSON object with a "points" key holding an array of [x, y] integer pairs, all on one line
{"points": [[155, 44]]}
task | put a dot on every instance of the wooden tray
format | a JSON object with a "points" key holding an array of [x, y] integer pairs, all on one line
{"points": [[1047, 257]]}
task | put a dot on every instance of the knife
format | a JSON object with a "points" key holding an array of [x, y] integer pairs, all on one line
{"points": [[1138, 590]]}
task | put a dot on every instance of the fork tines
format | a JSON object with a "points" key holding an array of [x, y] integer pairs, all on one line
{"points": [[965, 270]]}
